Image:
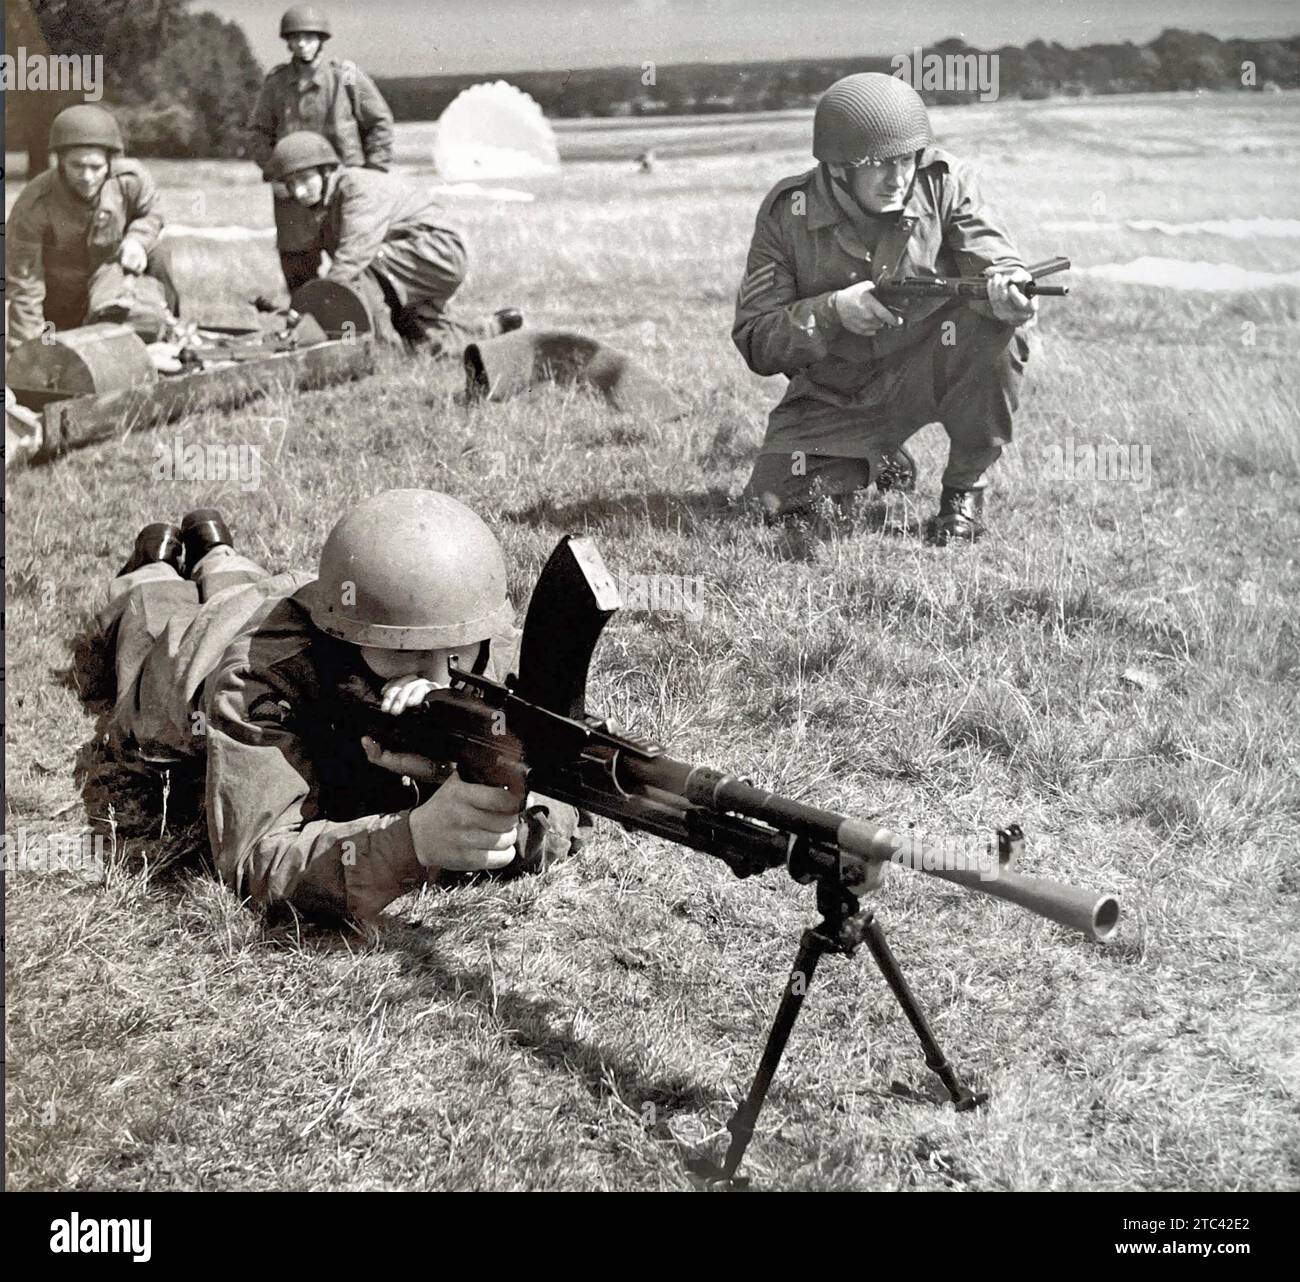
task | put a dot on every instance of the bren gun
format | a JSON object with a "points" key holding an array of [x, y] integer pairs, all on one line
{"points": [[534, 734]]}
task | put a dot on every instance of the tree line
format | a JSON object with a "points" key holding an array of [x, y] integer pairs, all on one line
{"points": [[1173, 60], [184, 84]]}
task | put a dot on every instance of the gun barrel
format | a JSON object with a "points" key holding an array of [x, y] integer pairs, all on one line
{"points": [[1087, 911], [1049, 267], [1091, 913]]}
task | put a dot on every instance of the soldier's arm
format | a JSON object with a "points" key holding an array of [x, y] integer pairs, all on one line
{"points": [[264, 824], [776, 331], [972, 229], [364, 220], [262, 127], [144, 216], [24, 270], [375, 120]]}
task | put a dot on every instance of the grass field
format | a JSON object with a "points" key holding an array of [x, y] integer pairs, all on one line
{"points": [[1116, 666]]}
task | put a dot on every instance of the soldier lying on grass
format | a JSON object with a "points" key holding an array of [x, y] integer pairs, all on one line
{"points": [[213, 653]]}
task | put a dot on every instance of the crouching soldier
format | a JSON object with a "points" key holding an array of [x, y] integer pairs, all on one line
{"points": [[213, 653], [328, 96], [883, 201], [82, 240], [384, 236]]}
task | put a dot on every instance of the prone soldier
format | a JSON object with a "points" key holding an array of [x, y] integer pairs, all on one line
{"points": [[384, 235], [213, 653], [327, 96], [883, 202], [83, 237]]}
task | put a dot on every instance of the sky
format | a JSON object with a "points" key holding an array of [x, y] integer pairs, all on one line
{"points": [[413, 37]]}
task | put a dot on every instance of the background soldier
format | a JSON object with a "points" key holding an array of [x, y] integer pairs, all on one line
{"points": [[329, 97], [883, 201], [82, 240], [385, 237], [212, 653]]}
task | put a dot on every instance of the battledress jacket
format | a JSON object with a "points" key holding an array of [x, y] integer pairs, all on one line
{"points": [[362, 210], [295, 811], [806, 246], [337, 100], [55, 241]]}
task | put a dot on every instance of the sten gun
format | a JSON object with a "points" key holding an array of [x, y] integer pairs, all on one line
{"points": [[898, 290], [534, 733]]}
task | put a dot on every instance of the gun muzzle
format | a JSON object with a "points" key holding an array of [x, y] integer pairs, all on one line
{"points": [[1087, 911]]}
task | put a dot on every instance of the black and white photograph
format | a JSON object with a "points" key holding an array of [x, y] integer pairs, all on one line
{"points": [[653, 596]]}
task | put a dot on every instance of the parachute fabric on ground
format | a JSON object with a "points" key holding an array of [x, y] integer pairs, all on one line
{"points": [[493, 131]]}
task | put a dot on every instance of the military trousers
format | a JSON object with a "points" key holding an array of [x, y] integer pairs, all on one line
{"points": [[113, 294], [417, 274], [965, 373], [168, 634]]}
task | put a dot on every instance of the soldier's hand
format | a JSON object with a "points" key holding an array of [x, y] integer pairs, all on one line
{"points": [[1009, 305], [417, 767], [861, 312], [404, 692], [280, 191], [465, 827], [132, 256]]}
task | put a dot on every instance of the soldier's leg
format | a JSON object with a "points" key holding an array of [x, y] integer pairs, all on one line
{"points": [[128, 299], [147, 611], [423, 271], [977, 366], [785, 483], [160, 268], [222, 568], [156, 622], [385, 308]]}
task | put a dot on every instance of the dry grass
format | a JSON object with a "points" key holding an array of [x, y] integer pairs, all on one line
{"points": [[593, 1029]]}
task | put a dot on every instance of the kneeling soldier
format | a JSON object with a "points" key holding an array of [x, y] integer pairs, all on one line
{"points": [[82, 241], [214, 654], [328, 96], [384, 235], [883, 201]]}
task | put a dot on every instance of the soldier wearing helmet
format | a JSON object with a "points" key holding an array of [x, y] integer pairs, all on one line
{"points": [[385, 237], [215, 657], [326, 96], [82, 240], [882, 201]]}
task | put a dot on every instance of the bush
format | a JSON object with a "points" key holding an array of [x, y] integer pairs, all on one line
{"points": [[160, 129]]}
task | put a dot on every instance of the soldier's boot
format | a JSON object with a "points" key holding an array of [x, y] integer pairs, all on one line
{"points": [[158, 543], [959, 519], [506, 320], [896, 472], [202, 530]]}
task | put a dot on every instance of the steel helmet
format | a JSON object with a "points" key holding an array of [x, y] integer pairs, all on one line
{"points": [[869, 116], [85, 125], [304, 18], [301, 150], [411, 570]]}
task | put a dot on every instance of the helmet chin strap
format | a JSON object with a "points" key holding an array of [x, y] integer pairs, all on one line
{"points": [[484, 653], [843, 185]]}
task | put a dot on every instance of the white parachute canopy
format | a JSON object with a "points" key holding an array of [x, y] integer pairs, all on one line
{"points": [[494, 131]]}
